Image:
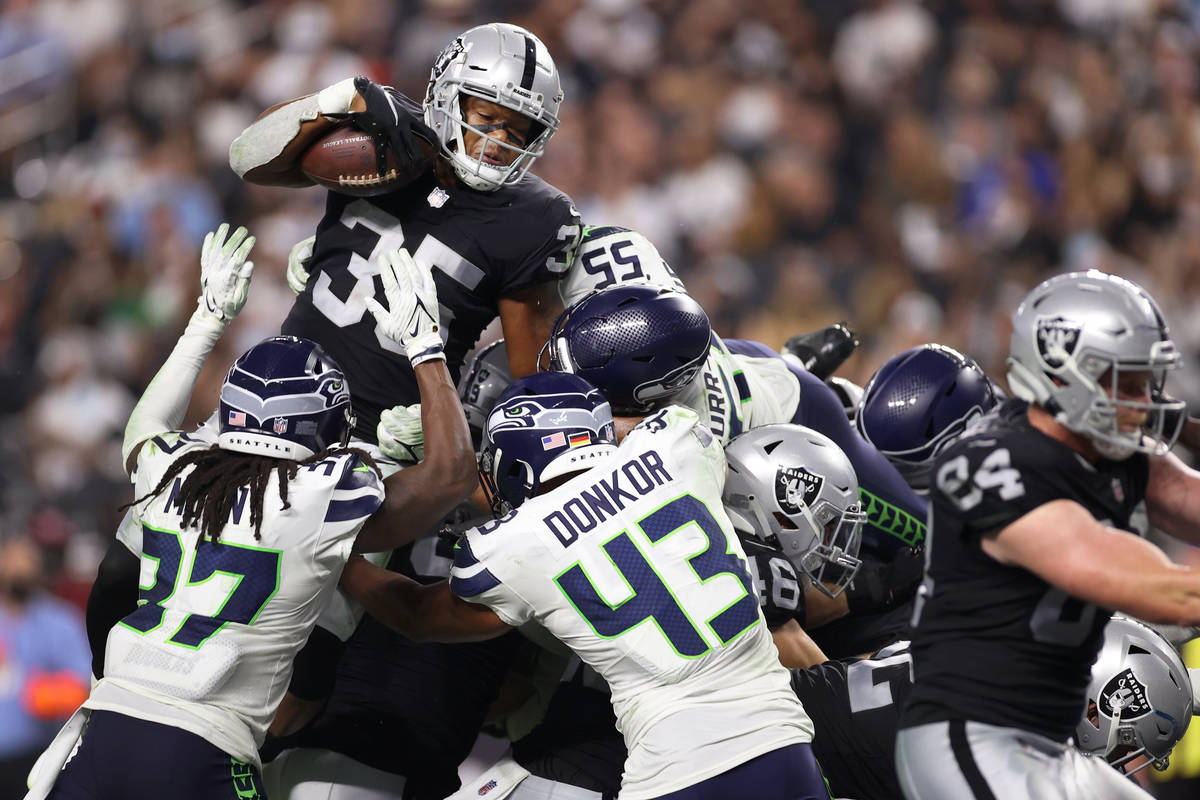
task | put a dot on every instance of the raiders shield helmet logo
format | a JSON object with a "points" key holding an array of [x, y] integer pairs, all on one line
{"points": [[1056, 340], [796, 487], [1124, 697]]}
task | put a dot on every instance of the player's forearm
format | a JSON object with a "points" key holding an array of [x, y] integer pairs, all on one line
{"points": [[527, 319], [796, 649], [388, 596], [449, 454], [418, 497], [268, 152], [1171, 596], [1125, 573], [1173, 498]]}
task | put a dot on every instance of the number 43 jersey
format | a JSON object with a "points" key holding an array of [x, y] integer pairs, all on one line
{"points": [[996, 643], [634, 565], [210, 647]]}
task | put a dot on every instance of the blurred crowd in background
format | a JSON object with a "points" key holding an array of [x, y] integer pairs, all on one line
{"points": [[912, 168]]}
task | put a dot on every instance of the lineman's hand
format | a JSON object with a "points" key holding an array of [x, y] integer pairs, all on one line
{"points": [[401, 437], [297, 268], [225, 272], [411, 318]]}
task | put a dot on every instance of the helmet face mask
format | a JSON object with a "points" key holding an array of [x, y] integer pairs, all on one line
{"points": [[793, 487], [1139, 701], [1076, 338], [284, 398], [502, 64], [487, 378], [640, 344], [542, 427]]}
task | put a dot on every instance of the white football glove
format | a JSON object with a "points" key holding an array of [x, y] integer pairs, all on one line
{"points": [[225, 272], [297, 268], [401, 437], [411, 318]]}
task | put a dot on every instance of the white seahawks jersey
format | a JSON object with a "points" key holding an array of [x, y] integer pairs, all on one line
{"points": [[609, 256], [734, 393], [634, 565], [210, 647]]}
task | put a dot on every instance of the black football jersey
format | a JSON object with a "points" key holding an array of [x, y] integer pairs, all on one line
{"points": [[780, 590], [482, 245], [412, 709], [855, 634], [854, 706], [995, 643]]}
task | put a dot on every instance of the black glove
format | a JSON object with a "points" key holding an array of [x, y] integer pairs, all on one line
{"points": [[394, 122], [824, 350], [881, 586]]}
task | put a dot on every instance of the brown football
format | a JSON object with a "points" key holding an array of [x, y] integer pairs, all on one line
{"points": [[343, 160]]}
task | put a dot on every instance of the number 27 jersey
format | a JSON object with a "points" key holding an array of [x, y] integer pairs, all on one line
{"points": [[633, 564], [996, 643]]}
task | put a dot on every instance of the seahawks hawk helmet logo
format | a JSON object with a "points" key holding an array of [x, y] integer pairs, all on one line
{"points": [[796, 487], [1124, 697], [1056, 340]]}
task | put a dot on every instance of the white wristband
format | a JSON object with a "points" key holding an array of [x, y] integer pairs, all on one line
{"points": [[336, 99]]}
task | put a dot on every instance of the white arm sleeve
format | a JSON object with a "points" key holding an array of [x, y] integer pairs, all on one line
{"points": [[165, 400], [265, 139]]}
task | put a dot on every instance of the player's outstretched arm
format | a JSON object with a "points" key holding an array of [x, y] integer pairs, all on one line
{"points": [[268, 152], [224, 284], [417, 497], [1173, 498], [1066, 546], [422, 613]]}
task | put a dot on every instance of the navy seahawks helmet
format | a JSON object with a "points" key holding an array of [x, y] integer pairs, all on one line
{"points": [[543, 426], [488, 376], [919, 402], [284, 398], [639, 344]]}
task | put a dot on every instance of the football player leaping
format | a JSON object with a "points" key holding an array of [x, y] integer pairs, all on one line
{"points": [[498, 239]]}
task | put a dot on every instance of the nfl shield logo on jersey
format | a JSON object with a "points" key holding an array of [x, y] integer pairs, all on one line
{"points": [[281, 424], [1124, 697], [796, 487]]}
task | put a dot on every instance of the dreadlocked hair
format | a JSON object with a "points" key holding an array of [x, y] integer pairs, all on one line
{"points": [[207, 495]]}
